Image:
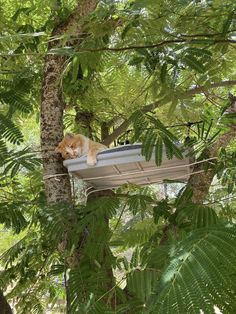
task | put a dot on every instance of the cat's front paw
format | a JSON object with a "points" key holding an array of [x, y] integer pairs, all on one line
{"points": [[91, 162]]}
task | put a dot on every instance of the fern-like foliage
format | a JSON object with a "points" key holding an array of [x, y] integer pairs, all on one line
{"points": [[22, 278], [11, 215], [140, 283], [173, 256], [197, 216], [200, 274], [155, 138], [13, 99], [206, 136], [3, 150], [225, 169], [137, 234], [13, 93], [9, 130], [16, 161]]}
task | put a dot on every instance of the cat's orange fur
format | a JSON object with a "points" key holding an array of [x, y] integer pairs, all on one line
{"points": [[76, 145]]}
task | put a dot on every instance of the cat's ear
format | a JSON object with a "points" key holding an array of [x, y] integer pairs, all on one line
{"points": [[69, 135]]}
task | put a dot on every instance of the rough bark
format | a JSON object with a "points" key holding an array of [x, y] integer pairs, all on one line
{"points": [[200, 183], [56, 179], [4, 306], [104, 130], [84, 119], [103, 227], [57, 187]]}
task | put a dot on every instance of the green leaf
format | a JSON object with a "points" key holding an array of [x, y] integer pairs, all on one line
{"points": [[20, 159], [9, 130], [158, 257], [197, 215], [25, 10], [168, 147], [57, 269], [199, 274], [193, 63], [163, 73], [75, 68], [148, 144], [202, 130], [228, 21], [172, 107], [140, 283], [158, 151], [198, 51], [163, 209], [184, 196], [177, 152], [204, 216], [208, 130], [136, 60]]}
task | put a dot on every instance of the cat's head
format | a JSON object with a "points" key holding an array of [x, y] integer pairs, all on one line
{"points": [[68, 147]]}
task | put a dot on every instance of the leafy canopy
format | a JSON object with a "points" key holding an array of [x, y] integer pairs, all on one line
{"points": [[166, 69]]}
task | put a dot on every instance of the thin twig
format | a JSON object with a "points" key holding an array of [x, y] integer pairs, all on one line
{"points": [[120, 49]]}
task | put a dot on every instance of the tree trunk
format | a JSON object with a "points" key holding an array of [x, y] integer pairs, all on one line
{"points": [[106, 253], [4, 306], [56, 179], [57, 187]]}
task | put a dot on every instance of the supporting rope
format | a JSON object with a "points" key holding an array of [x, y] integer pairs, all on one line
{"points": [[46, 177], [157, 182], [49, 176], [150, 170]]}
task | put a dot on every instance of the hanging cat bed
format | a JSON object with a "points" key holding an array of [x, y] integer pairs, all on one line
{"points": [[125, 164]]}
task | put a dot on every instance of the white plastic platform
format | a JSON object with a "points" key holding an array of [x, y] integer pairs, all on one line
{"points": [[125, 164]]}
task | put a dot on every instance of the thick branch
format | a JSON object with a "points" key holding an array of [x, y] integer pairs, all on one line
{"points": [[189, 93], [201, 89], [200, 183], [73, 22]]}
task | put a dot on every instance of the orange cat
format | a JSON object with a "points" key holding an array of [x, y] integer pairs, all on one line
{"points": [[77, 145]]}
